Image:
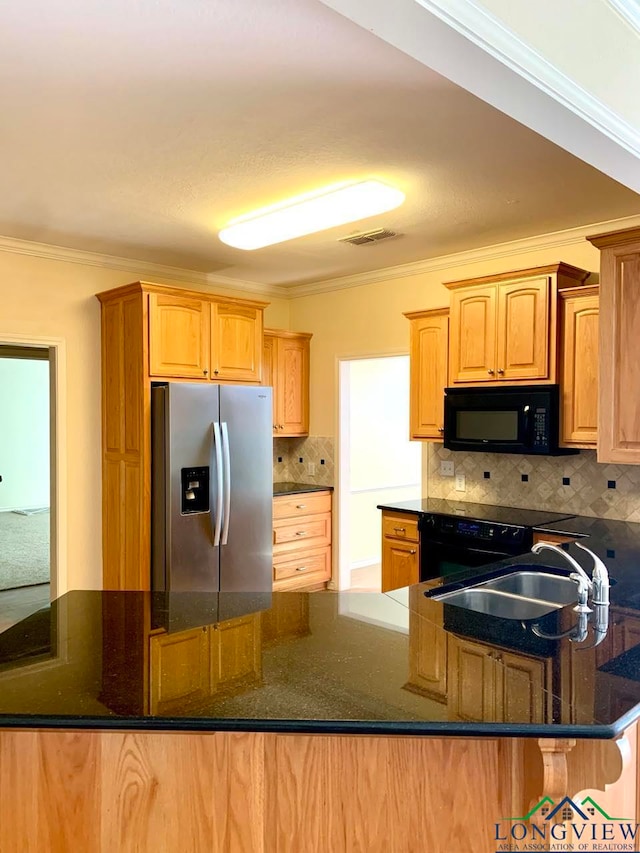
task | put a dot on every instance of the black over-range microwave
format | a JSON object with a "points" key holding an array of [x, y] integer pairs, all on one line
{"points": [[508, 419]]}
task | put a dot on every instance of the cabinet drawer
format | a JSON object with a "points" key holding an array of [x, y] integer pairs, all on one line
{"points": [[301, 568], [307, 503], [400, 526], [295, 532]]}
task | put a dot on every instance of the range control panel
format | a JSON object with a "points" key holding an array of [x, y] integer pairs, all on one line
{"points": [[462, 530]]}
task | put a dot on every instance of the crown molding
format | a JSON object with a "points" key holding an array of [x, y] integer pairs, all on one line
{"points": [[487, 32], [629, 11], [139, 269], [497, 251]]}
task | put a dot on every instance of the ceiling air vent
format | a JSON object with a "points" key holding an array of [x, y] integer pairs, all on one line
{"points": [[368, 237]]}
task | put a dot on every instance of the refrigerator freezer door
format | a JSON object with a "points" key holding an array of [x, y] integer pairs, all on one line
{"points": [[246, 560], [191, 561]]}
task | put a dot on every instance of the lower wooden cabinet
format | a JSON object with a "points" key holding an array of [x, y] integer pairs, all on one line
{"points": [[288, 617], [302, 541], [486, 683], [189, 666], [400, 550]]}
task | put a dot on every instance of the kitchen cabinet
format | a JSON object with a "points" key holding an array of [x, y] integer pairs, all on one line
{"points": [[287, 618], [286, 356], [400, 550], [302, 541], [579, 322], [187, 667], [429, 344], [503, 327], [618, 364], [427, 646], [155, 333], [488, 683], [193, 337]]}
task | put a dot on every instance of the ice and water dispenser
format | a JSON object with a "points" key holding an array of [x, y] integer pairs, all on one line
{"points": [[195, 490]]}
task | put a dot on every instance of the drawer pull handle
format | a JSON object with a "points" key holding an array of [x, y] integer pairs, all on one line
{"points": [[301, 533], [302, 568], [400, 529], [301, 506]]}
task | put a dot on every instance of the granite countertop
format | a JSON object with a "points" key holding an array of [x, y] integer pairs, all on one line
{"points": [[298, 488], [481, 512], [322, 662]]}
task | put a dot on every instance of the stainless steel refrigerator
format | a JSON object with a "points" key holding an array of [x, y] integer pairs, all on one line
{"points": [[212, 488]]}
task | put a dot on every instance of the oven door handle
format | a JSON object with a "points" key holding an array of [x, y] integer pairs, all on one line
{"points": [[459, 547]]}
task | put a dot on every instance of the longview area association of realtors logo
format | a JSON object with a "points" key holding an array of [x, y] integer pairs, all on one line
{"points": [[567, 826]]}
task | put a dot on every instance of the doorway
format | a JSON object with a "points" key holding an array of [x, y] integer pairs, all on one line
{"points": [[26, 449], [378, 464]]}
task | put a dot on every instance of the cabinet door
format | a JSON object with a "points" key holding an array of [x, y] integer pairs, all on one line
{"points": [[179, 669], [178, 336], [579, 370], [521, 695], [236, 342], [470, 680], [400, 563], [235, 652], [523, 329], [293, 386], [269, 372], [427, 646], [619, 374], [472, 350], [429, 348]]}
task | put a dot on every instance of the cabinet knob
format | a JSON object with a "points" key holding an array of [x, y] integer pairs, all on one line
{"points": [[280, 426], [216, 372], [275, 426], [206, 372], [440, 429], [490, 372], [500, 371]]}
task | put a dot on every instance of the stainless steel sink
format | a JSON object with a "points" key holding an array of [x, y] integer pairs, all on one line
{"points": [[521, 595], [539, 585], [498, 604]]}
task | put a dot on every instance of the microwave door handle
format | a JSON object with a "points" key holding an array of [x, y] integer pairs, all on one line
{"points": [[526, 413]]}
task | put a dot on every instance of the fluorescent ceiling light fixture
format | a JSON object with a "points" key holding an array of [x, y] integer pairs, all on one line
{"points": [[310, 213]]}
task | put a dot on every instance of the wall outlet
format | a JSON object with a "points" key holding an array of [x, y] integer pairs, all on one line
{"points": [[446, 469], [461, 485], [311, 468]]}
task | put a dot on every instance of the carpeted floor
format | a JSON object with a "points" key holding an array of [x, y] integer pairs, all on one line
{"points": [[24, 549]]}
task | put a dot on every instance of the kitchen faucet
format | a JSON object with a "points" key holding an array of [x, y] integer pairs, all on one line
{"points": [[598, 584]]}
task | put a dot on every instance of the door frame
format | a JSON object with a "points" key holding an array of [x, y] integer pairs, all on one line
{"points": [[341, 573], [58, 450]]}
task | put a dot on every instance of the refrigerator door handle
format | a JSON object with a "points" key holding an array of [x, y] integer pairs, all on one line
{"points": [[226, 456], [216, 524]]}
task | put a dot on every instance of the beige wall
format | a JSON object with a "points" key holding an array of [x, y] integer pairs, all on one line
{"points": [[368, 320], [55, 299]]}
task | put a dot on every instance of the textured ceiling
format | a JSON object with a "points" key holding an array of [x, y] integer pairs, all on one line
{"points": [[140, 128]]}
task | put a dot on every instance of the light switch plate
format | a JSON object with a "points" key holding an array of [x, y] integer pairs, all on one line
{"points": [[446, 469], [461, 485]]}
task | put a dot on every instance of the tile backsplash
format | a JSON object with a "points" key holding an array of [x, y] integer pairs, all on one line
{"points": [[574, 484], [291, 458]]}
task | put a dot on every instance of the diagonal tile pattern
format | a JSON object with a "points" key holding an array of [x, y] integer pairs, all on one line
{"points": [[311, 449], [587, 492]]}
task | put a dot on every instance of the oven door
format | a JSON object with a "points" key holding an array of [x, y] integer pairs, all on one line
{"points": [[442, 559]]}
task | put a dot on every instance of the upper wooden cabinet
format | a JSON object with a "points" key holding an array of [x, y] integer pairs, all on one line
{"points": [[194, 336], [619, 366], [503, 327], [178, 336], [286, 368], [149, 333], [428, 356], [579, 321]]}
